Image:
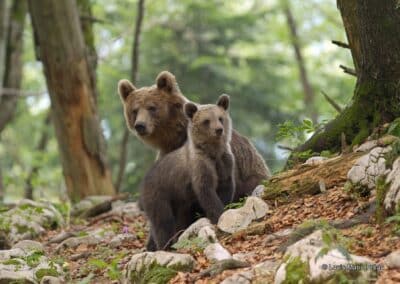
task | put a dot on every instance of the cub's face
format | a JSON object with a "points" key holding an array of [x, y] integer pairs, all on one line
{"points": [[210, 123], [148, 110]]}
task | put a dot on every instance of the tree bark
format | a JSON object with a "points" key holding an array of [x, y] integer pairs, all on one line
{"points": [[85, 12], [74, 113], [372, 29], [13, 61], [309, 95], [4, 16], [134, 75]]}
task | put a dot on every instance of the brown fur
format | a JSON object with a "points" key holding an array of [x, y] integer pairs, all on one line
{"points": [[169, 132], [198, 177]]}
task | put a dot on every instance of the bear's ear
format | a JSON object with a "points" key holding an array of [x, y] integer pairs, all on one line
{"points": [[125, 88], [166, 81], [190, 109], [223, 101]]}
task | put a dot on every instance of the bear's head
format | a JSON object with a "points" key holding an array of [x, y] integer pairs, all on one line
{"points": [[209, 124], [151, 112]]}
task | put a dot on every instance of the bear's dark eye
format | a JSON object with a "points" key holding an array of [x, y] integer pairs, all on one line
{"points": [[151, 109], [206, 122], [134, 112], [221, 119]]}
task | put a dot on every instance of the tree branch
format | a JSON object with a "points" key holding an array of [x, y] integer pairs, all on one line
{"points": [[348, 70], [332, 102], [341, 44]]}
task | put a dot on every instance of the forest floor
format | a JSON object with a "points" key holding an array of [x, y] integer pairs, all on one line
{"points": [[99, 263]]}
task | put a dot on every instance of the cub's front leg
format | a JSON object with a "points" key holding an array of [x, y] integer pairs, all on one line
{"points": [[226, 177]]}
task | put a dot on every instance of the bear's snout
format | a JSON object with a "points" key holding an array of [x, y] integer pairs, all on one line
{"points": [[219, 131], [140, 128]]}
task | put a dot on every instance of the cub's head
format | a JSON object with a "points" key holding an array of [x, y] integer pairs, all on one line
{"points": [[209, 124], [151, 111]]}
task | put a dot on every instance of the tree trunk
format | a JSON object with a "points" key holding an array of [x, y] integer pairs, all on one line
{"points": [[4, 14], [308, 90], [13, 61], [134, 75], [1, 188], [86, 18], [372, 29], [41, 147], [74, 113]]}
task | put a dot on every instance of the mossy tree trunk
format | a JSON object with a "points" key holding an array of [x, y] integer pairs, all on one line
{"points": [[74, 114], [372, 29]]}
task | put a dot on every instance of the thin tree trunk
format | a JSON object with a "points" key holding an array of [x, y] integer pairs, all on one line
{"points": [[74, 113], [309, 95], [4, 16], [372, 29], [13, 61], [134, 74], [41, 147]]}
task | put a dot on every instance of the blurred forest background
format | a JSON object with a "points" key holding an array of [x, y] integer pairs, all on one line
{"points": [[274, 58]]}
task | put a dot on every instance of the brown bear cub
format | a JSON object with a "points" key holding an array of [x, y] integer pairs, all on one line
{"points": [[198, 177], [155, 114]]}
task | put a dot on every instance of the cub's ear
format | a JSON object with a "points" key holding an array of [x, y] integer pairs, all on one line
{"points": [[190, 109], [223, 101], [166, 81], [125, 88]]}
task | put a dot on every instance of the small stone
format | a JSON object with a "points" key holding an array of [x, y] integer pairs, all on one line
{"points": [[244, 256], [118, 240], [76, 241], [393, 260], [315, 160], [208, 233], [258, 191], [367, 146], [243, 277], [193, 230], [234, 220], [215, 252], [28, 245]]}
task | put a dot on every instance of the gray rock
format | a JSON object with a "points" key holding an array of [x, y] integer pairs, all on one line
{"points": [[193, 230], [367, 146], [368, 168], [243, 256], [87, 203], [234, 220], [27, 220], [260, 273], [128, 210], [258, 191], [12, 276], [208, 233], [11, 253], [139, 263], [392, 261], [277, 235], [315, 160], [28, 245], [392, 198], [308, 249], [215, 252], [118, 240], [76, 241]]}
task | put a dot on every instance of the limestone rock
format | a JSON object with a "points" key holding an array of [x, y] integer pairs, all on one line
{"points": [[193, 230], [234, 220], [367, 146], [258, 191], [128, 210], [28, 245], [315, 160], [51, 280], [392, 198], [368, 168], [142, 262], [118, 240], [215, 252], [321, 268], [243, 277], [393, 260]]}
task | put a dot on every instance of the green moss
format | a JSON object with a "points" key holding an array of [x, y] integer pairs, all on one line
{"points": [[46, 272], [297, 271], [391, 156], [194, 245], [33, 259], [12, 261], [381, 190], [154, 274]]}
